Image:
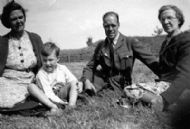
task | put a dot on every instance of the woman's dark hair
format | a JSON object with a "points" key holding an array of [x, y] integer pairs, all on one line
{"points": [[48, 48], [7, 9], [179, 13]]}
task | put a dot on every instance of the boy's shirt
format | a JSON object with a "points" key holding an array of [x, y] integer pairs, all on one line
{"points": [[48, 80]]}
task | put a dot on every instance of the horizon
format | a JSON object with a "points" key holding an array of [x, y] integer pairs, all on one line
{"points": [[69, 23]]}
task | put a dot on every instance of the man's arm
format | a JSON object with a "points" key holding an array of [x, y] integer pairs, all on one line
{"points": [[88, 71], [144, 54]]}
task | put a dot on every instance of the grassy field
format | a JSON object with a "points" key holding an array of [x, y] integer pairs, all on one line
{"points": [[101, 112]]}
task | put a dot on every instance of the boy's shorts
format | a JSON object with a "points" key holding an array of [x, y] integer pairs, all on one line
{"points": [[62, 91]]}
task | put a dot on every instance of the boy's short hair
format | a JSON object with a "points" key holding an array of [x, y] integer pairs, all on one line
{"points": [[48, 48]]}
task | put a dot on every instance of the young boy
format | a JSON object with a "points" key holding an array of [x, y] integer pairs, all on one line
{"points": [[57, 82]]}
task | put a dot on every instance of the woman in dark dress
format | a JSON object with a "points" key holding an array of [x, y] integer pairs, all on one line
{"points": [[174, 62]]}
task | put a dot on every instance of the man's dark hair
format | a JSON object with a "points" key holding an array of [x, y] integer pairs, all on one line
{"points": [[111, 13]]}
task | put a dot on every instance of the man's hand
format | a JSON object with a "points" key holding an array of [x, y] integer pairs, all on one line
{"points": [[79, 87], [89, 87]]}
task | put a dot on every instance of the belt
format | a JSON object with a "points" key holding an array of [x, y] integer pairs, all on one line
{"points": [[26, 70], [22, 70]]}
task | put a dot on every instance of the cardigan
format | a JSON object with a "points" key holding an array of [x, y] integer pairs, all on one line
{"points": [[37, 46], [174, 66]]}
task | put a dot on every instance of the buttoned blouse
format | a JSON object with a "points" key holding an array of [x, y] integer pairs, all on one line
{"points": [[21, 55]]}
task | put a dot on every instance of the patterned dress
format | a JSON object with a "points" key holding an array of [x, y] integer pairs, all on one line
{"points": [[17, 74]]}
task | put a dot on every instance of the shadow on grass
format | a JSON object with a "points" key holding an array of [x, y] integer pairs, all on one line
{"points": [[100, 112]]}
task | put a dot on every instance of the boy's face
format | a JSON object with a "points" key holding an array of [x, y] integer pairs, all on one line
{"points": [[50, 62]]}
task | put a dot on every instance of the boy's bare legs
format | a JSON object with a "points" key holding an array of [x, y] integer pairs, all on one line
{"points": [[73, 94], [70, 93], [37, 93]]}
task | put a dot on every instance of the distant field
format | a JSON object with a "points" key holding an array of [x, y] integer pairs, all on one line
{"points": [[76, 68], [76, 55], [99, 112], [140, 72]]}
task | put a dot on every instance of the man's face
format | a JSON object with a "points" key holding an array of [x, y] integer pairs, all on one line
{"points": [[17, 20], [49, 62], [169, 21], [111, 26]]}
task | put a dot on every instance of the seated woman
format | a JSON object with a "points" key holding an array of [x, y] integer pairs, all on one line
{"points": [[174, 62], [19, 60]]}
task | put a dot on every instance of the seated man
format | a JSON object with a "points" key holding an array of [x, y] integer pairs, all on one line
{"points": [[114, 58]]}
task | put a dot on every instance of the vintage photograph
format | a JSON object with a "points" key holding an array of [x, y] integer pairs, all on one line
{"points": [[89, 64]]}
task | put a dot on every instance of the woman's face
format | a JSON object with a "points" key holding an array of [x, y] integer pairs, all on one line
{"points": [[169, 21], [17, 20]]}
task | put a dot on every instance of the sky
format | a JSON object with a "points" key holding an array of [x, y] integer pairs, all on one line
{"points": [[69, 23]]}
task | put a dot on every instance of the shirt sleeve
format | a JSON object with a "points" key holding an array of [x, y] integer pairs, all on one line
{"points": [[43, 82], [68, 75], [88, 71]]}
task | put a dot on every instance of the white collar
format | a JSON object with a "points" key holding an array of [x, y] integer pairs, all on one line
{"points": [[115, 39]]}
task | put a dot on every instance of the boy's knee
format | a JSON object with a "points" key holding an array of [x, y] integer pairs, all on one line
{"points": [[31, 86]]}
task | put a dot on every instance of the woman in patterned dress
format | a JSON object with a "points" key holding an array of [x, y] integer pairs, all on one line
{"points": [[19, 60]]}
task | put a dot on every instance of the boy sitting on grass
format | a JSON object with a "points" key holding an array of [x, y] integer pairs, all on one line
{"points": [[57, 82]]}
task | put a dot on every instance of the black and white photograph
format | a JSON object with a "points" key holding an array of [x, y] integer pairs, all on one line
{"points": [[89, 64]]}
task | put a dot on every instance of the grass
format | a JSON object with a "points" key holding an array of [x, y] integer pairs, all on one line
{"points": [[98, 113]]}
